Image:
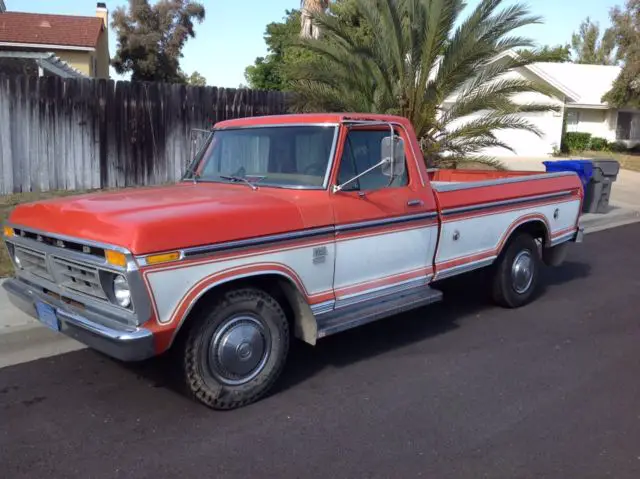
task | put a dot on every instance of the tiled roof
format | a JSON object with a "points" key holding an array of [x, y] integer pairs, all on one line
{"points": [[67, 30]]}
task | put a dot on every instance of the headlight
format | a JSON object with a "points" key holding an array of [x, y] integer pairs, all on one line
{"points": [[121, 291], [17, 261]]}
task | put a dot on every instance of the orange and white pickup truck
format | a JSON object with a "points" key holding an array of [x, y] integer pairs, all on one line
{"points": [[292, 226]]}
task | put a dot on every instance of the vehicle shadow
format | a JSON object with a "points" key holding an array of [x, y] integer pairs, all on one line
{"points": [[464, 299]]}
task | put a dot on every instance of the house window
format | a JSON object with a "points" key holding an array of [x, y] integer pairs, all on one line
{"points": [[573, 119]]}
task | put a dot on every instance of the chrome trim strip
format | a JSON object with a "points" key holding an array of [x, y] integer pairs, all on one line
{"points": [[373, 310], [302, 234], [501, 181], [332, 158], [369, 294], [515, 201], [387, 221], [330, 162], [564, 238], [579, 237], [323, 308], [464, 268], [260, 241], [64, 253], [270, 125], [71, 239]]}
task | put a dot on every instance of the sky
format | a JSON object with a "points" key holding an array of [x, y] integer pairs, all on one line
{"points": [[231, 37]]}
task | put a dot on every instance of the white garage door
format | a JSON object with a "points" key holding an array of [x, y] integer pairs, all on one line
{"points": [[528, 144]]}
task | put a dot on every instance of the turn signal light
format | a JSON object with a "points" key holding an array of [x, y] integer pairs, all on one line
{"points": [[8, 231], [163, 258], [115, 258]]}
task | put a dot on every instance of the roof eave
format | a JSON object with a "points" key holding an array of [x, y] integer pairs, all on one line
{"points": [[570, 94], [47, 46]]}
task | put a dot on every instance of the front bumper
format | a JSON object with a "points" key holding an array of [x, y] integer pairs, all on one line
{"points": [[97, 332]]}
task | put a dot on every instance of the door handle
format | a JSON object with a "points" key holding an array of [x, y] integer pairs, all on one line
{"points": [[414, 203]]}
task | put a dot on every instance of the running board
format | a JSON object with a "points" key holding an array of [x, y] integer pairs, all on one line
{"points": [[349, 317]]}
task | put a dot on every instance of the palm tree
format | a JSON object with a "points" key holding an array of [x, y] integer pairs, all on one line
{"points": [[308, 8], [451, 81]]}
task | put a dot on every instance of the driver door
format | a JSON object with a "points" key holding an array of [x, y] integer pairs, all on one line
{"points": [[384, 238]]}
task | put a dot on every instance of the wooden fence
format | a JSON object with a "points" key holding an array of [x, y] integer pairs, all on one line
{"points": [[81, 134]]}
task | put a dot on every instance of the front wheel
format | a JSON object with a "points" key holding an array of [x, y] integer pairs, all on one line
{"points": [[235, 350], [516, 273]]}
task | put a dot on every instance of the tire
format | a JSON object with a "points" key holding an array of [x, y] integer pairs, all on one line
{"points": [[512, 287], [235, 350]]}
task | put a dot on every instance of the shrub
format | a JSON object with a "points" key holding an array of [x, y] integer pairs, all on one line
{"points": [[634, 149], [618, 147], [599, 144], [577, 141]]}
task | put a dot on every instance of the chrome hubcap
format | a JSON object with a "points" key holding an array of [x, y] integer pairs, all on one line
{"points": [[239, 350], [522, 272]]}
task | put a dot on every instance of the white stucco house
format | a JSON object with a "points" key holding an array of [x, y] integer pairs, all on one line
{"points": [[576, 90]]}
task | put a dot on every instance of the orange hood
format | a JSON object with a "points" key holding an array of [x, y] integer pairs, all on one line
{"points": [[146, 220]]}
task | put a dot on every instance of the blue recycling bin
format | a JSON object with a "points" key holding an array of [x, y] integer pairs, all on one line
{"points": [[584, 168]]}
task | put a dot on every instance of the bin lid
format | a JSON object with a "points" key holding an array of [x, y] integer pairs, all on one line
{"points": [[609, 167], [584, 168]]}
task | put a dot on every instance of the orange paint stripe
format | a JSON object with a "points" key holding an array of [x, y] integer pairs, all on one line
{"points": [[500, 209], [388, 280]]}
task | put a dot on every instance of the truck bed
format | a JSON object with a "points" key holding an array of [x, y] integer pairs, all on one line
{"points": [[480, 209]]}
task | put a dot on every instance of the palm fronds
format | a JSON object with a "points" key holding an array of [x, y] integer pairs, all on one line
{"points": [[453, 79]]}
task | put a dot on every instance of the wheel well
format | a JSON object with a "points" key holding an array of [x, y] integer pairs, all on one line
{"points": [[299, 315], [536, 228]]}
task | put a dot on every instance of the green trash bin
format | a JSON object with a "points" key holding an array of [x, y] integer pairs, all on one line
{"points": [[598, 191]]}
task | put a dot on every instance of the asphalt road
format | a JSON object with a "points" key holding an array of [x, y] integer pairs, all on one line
{"points": [[461, 389]]}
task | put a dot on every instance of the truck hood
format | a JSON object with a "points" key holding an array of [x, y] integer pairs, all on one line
{"points": [[146, 220]]}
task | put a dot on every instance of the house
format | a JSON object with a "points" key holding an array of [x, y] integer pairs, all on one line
{"points": [[577, 91], [61, 44]]}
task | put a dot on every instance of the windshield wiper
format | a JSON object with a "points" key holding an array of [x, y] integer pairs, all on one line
{"points": [[240, 178]]}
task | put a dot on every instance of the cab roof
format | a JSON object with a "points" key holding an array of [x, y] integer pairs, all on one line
{"points": [[311, 118]]}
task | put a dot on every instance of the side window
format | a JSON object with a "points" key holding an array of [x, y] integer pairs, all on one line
{"points": [[362, 150]]}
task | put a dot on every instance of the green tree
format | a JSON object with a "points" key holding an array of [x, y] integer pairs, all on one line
{"points": [[556, 54], [626, 25], [589, 48], [196, 79], [273, 71], [150, 38], [268, 72], [417, 60]]}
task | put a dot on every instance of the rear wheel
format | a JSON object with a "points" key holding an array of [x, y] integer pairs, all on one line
{"points": [[516, 273], [235, 350]]}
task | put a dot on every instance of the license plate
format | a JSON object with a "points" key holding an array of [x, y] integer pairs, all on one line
{"points": [[47, 316]]}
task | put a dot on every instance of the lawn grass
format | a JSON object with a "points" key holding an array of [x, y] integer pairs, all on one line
{"points": [[628, 160], [8, 203]]}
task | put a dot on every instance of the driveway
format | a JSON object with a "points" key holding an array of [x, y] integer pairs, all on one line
{"points": [[461, 389]]}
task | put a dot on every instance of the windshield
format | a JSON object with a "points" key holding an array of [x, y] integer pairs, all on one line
{"points": [[289, 156]]}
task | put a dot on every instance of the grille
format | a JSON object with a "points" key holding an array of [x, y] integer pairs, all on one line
{"points": [[79, 277], [33, 262]]}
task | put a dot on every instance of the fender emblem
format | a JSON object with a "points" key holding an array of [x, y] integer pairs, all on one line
{"points": [[319, 254]]}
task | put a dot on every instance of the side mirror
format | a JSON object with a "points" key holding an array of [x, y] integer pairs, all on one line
{"points": [[392, 156]]}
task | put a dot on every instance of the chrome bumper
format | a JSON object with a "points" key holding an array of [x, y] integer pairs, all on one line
{"points": [[579, 236], [97, 332]]}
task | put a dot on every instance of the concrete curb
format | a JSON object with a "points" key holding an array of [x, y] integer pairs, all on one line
{"points": [[31, 342]]}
